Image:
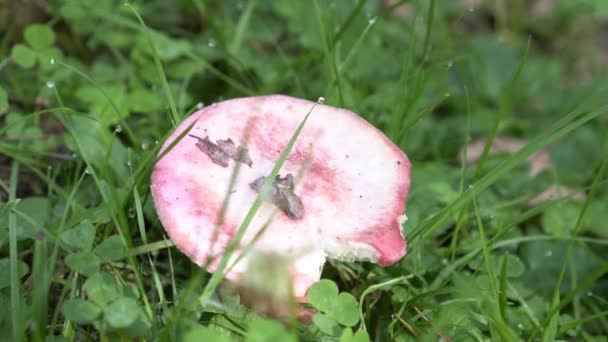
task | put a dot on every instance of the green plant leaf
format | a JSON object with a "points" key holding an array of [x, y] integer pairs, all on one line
{"points": [[326, 324], [122, 312], [80, 237], [80, 311], [345, 310], [322, 295], [359, 336], [3, 99], [46, 55], [142, 101], [102, 288], [39, 36], [23, 56], [201, 333], [341, 307], [84, 262], [264, 330], [110, 249], [516, 266], [5, 275]]}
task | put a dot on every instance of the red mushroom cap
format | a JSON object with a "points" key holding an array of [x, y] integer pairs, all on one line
{"points": [[351, 182]]}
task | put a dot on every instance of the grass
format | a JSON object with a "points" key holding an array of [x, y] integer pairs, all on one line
{"points": [[90, 91]]}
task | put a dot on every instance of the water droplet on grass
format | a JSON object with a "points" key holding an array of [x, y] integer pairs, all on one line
{"points": [[372, 21], [131, 213], [211, 43], [118, 129], [520, 326], [88, 171], [50, 84], [450, 64], [53, 61], [200, 105], [155, 142], [321, 99], [144, 146], [548, 253]]}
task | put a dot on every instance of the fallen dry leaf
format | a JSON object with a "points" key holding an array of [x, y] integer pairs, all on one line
{"points": [[554, 192], [540, 8], [401, 11], [539, 161]]}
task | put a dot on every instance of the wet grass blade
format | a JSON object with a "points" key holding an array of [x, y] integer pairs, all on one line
{"points": [[175, 117], [218, 275]]}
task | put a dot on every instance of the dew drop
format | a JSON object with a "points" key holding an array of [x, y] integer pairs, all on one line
{"points": [[589, 294], [50, 84], [444, 261], [118, 129], [446, 94], [200, 105], [321, 99], [372, 21], [74, 156], [129, 163], [155, 142], [88, 171], [520, 326], [131, 213], [470, 186], [211, 43], [450, 64], [548, 253], [126, 3], [144, 146], [53, 61]]}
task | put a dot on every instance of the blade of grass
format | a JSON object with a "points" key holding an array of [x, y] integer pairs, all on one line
{"points": [[429, 29], [119, 118], [175, 117], [15, 308], [241, 26], [550, 323], [219, 272], [560, 128], [348, 22], [578, 323], [373, 288], [329, 53], [503, 109], [117, 216]]}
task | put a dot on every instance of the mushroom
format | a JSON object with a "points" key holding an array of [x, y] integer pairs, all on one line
{"points": [[340, 193]]}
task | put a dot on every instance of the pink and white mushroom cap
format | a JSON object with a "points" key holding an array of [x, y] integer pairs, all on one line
{"points": [[340, 194]]}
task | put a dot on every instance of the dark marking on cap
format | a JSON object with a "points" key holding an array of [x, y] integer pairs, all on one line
{"points": [[222, 151], [282, 195]]}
